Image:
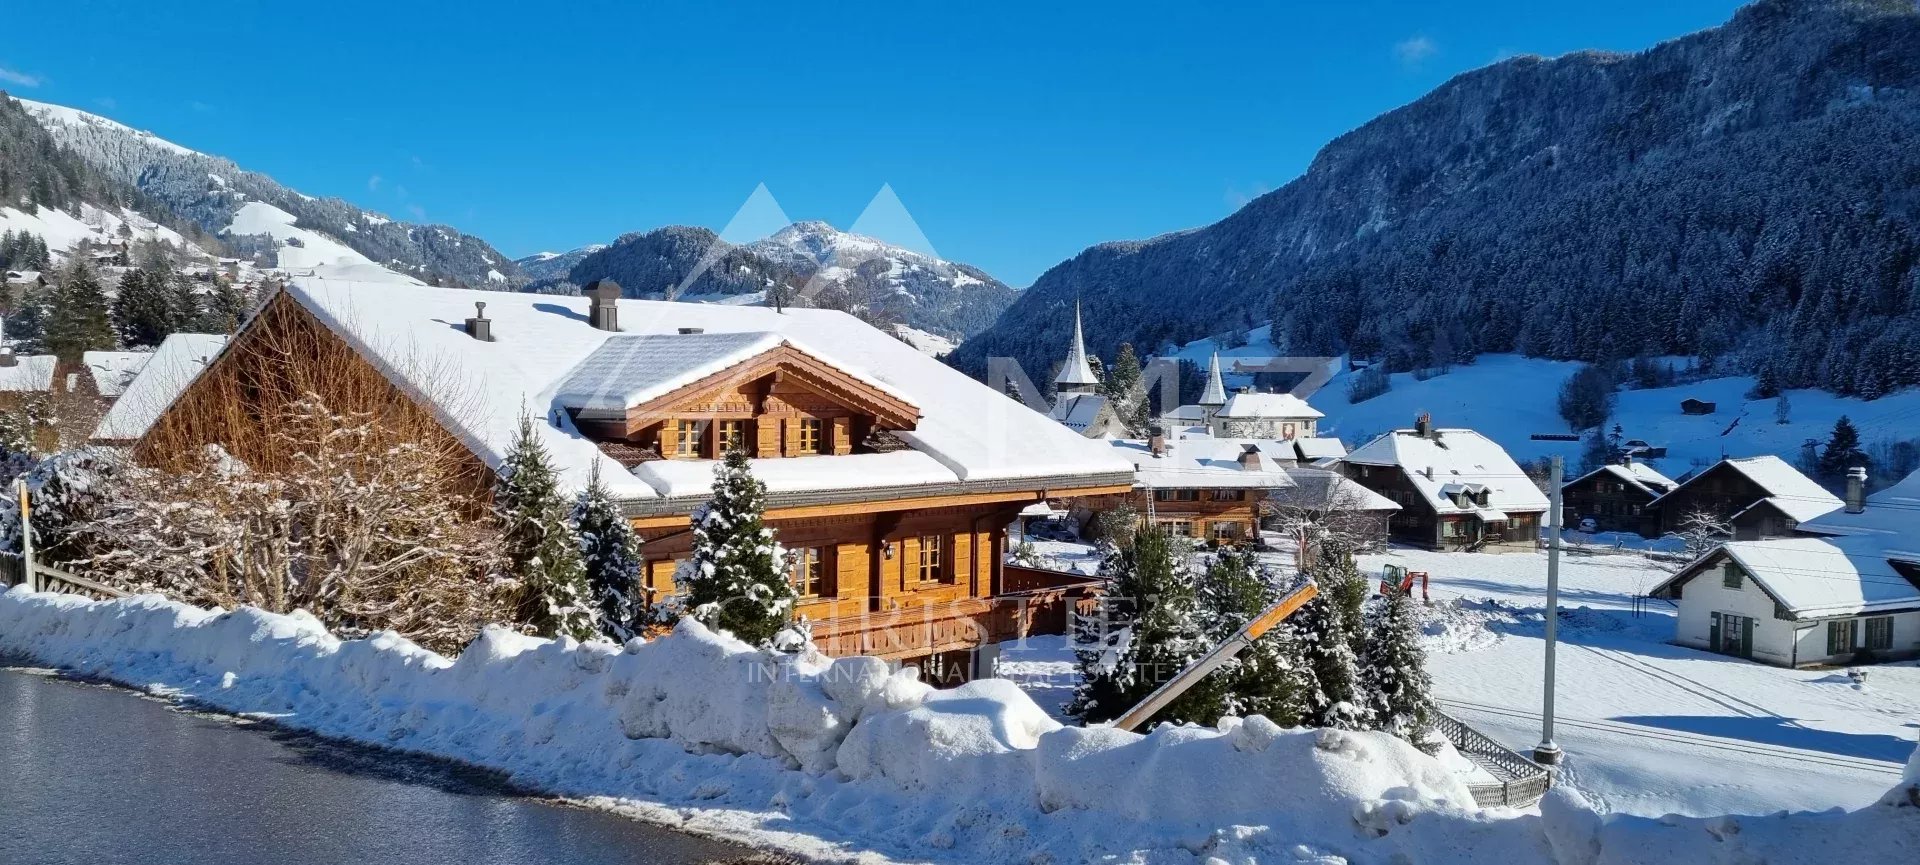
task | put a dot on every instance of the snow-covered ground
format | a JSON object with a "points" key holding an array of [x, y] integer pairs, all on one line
{"points": [[61, 230], [1478, 396], [1651, 728]]}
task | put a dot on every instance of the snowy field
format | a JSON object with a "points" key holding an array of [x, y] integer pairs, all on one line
{"points": [[1651, 728]]}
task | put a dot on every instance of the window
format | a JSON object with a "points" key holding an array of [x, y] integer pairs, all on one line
{"points": [[1163, 495], [806, 569], [1177, 528], [1224, 531], [808, 436], [733, 434], [930, 569], [1229, 495], [686, 438], [1880, 633], [1451, 528], [1731, 577], [1840, 637]]}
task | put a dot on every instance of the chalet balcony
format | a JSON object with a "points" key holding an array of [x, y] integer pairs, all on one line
{"points": [[1033, 602]]}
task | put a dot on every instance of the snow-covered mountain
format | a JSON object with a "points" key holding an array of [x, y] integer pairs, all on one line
{"points": [[254, 214], [807, 263], [555, 265]]}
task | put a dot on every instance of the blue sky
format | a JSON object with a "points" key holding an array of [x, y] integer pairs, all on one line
{"points": [[1014, 137]]}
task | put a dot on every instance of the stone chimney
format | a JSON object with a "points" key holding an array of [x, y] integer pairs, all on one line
{"points": [[480, 327], [604, 313], [1157, 441], [1249, 458], [1423, 425], [1856, 490]]}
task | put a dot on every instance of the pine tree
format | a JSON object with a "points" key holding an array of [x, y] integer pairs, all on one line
{"points": [[1122, 389], [1782, 409], [1326, 640], [141, 313], [736, 579], [1262, 679], [1842, 452], [610, 552], [541, 550], [1152, 632], [1398, 691], [78, 321]]}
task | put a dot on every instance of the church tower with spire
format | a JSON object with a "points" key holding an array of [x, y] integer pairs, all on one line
{"points": [[1214, 397], [1076, 375]]}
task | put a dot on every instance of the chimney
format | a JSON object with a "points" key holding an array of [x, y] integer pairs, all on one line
{"points": [[480, 327], [687, 330], [1856, 490], [1249, 458], [1157, 441], [604, 313], [1423, 425]]}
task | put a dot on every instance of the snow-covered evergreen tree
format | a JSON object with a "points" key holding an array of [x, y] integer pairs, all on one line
{"points": [[610, 552], [736, 579], [77, 319], [1397, 688], [1151, 632], [1325, 637], [1262, 679], [541, 550]]}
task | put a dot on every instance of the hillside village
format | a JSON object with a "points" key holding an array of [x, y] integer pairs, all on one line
{"points": [[776, 544]]}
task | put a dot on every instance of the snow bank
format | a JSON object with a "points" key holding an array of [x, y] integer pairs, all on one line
{"points": [[837, 758]]}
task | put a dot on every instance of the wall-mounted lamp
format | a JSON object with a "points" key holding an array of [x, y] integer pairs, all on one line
{"points": [[886, 549]]}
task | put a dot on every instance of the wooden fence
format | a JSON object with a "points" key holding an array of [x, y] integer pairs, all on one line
{"points": [[51, 579]]}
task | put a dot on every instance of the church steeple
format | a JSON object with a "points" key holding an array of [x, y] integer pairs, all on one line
{"points": [[1076, 375], [1215, 394]]}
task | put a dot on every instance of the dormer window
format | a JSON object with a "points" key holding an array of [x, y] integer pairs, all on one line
{"points": [[808, 437], [687, 434], [732, 434]]}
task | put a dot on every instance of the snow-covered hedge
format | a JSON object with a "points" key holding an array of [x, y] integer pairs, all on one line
{"points": [[828, 757]]}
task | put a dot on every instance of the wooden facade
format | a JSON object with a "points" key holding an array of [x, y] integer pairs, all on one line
{"points": [[918, 579], [1225, 515], [1614, 504], [1724, 492]]}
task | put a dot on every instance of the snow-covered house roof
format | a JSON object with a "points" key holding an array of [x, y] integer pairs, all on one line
{"points": [[162, 378], [1078, 411], [1319, 448], [1789, 491], [1637, 475], [1208, 463], [1268, 405], [1455, 456], [1325, 490], [1891, 516], [1816, 577], [1186, 414], [30, 372], [112, 371], [967, 436], [629, 369]]}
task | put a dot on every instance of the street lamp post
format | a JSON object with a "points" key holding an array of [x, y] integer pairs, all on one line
{"points": [[1548, 753]]}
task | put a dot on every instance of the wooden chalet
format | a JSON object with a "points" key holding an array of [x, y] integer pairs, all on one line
{"points": [[1760, 497], [1618, 497], [1457, 489], [890, 476], [1222, 491]]}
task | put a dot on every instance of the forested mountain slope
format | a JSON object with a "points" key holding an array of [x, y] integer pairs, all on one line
{"points": [[1750, 192]]}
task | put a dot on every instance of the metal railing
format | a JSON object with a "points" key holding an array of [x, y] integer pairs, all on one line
{"points": [[1520, 781]]}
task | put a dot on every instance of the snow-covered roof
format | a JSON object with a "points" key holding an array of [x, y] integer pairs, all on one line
{"points": [[1268, 405], [1077, 411], [160, 381], [629, 369], [113, 370], [1326, 490], [1639, 475], [1193, 413], [1454, 456], [1892, 516], [480, 390], [30, 372], [1793, 493], [1208, 463], [1319, 447], [1817, 577]]}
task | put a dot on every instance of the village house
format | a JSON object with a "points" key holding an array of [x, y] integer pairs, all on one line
{"points": [[1249, 414], [161, 377], [1759, 497], [891, 477], [1617, 497], [1457, 489], [1223, 491], [1846, 591]]}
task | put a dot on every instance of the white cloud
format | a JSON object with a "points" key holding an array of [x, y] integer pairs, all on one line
{"points": [[1414, 50], [373, 183], [1238, 196], [18, 79], [107, 102]]}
